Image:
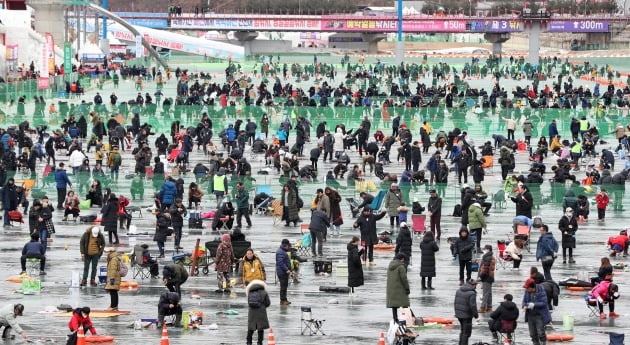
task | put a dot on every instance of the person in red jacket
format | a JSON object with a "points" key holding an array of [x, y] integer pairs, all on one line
{"points": [[606, 291], [619, 243], [602, 200], [81, 318]]}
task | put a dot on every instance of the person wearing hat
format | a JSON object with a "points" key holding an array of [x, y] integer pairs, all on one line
{"points": [[223, 261], [568, 226], [367, 225], [463, 247], [91, 246], [174, 275], [8, 320], [466, 309], [392, 201], [162, 230], [486, 276], [113, 277], [404, 241], [169, 304], [536, 311], [33, 250], [80, 319], [283, 270]]}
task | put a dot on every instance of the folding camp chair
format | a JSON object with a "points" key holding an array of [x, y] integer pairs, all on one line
{"points": [[499, 200], [488, 165], [15, 216], [502, 259], [309, 325], [263, 188], [276, 211], [591, 304], [522, 232], [506, 333], [303, 245], [418, 223], [378, 200], [138, 267]]}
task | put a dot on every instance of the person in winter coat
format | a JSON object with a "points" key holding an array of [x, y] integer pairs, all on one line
{"points": [[109, 218], [336, 216], [552, 289], [486, 276], [33, 249], [404, 241], [323, 202], [527, 130], [392, 201], [169, 304], [367, 226], [397, 291], [536, 311], [62, 181], [477, 171], [177, 212], [81, 319], [319, 223], [546, 250], [416, 156], [466, 309], [602, 201], [355, 268], [463, 248], [168, 193], [476, 222], [289, 205], [338, 141], [174, 276], [434, 212], [91, 246], [428, 248], [524, 201], [223, 263], [252, 268], [283, 269], [441, 178], [606, 292], [162, 224], [258, 302], [506, 161], [505, 314], [514, 250], [113, 277], [568, 226]]}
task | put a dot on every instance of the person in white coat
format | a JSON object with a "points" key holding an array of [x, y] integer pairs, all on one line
{"points": [[8, 320], [338, 145], [75, 160]]}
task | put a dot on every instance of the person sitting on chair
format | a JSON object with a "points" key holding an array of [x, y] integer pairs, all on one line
{"points": [[504, 318], [225, 211], [34, 250], [606, 291], [147, 259], [169, 305]]}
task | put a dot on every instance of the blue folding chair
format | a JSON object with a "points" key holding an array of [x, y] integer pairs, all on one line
{"points": [[378, 200], [263, 188]]}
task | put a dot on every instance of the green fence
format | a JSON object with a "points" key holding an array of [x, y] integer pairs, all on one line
{"points": [[28, 88]]}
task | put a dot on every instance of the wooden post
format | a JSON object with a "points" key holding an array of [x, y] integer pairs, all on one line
{"points": [[193, 266]]}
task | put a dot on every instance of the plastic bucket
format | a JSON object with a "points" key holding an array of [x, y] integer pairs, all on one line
{"points": [[567, 322]]}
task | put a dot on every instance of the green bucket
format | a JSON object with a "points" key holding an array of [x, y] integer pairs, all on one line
{"points": [[567, 322]]}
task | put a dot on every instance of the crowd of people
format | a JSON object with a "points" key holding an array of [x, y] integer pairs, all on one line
{"points": [[224, 173]]}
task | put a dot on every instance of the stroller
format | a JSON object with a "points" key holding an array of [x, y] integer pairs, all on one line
{"points": [[262, 201]]}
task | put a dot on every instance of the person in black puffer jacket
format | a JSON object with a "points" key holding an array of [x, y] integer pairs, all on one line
{"points": [[507, 311], [463, 247], [404, 242], [466, 309]]}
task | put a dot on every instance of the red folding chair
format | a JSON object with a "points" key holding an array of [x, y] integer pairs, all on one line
{"points": [[16, 216], [418, 223], [502, 259]]}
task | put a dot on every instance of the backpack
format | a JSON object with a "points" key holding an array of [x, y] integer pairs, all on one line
{"points": [[117, 159], [123, 269], [457, 210], [306, 240], [255, 299]]}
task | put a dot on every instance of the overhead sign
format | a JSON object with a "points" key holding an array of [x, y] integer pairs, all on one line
{"points": [[359, 25], [153, 20], [496, 26], [434, 26], [578, 26], [247, 24]]}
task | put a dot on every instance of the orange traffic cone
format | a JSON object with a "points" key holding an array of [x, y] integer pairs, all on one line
{"points": [[271, 340], [381, 339], [80, 336], [164, 340]]}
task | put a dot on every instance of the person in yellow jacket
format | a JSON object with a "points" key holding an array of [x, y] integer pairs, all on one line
{"points": [[252, 268]]}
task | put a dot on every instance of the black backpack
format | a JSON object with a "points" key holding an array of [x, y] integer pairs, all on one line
{"points": [[457, 210]]}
